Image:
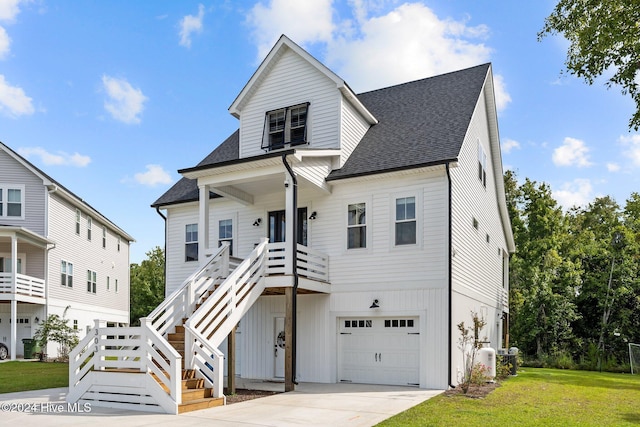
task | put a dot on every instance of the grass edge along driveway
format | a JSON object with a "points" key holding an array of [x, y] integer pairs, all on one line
{"points": [[22, 376], [535, 397]]}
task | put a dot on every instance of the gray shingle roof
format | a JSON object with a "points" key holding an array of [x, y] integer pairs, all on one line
{"points": [[421, 123]]}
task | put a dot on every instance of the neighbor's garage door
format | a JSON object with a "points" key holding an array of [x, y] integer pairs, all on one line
{"points": [[379, 350]]}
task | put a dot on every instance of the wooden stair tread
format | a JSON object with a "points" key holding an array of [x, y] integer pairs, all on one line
{"points": [[196, 405]]}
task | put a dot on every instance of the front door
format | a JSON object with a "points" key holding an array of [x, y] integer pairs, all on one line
{"points": [[278, 347], [277, 226]]}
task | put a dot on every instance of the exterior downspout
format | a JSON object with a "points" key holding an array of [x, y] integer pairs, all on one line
{"points": [[164, 273], [294, 240], [450, 279]]}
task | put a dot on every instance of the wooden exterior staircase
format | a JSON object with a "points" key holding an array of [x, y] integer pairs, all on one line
{"points": [[171, 363]]}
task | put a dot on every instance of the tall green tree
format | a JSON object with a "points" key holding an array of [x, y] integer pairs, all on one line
{"points": [[147, 284], [603, 36], [542, 280]]}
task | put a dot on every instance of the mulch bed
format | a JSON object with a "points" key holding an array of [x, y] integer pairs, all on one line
{"points": [[474, 392], [242, 395]]}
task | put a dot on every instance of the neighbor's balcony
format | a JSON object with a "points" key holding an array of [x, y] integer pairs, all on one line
{"points": [[27, 288]]}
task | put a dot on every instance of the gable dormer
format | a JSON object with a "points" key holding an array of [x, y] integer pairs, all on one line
{"points": [[292, 100]]}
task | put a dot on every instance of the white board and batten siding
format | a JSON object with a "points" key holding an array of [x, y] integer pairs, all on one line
{"points": [[479, 251], [292, 81]]}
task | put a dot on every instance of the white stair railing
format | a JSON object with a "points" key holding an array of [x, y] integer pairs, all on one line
{"points": [[220, 312], [116, 351], [182, 302]]}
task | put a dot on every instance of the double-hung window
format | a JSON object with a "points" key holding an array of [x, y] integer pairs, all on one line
{"points": [[11, 201], [89, 224], [225, 233], [405, 226], [482, 165], [191, 242], [91, 281], [66, 274], [285, 126], [78, 216], [357, 226]]}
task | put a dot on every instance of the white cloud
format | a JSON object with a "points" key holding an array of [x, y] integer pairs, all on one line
{"points": [[572, 152], [125, 103], [154, 175], [302, 21], [9, 9], [613, 167], [408, 43], [510, 144], [13, 101], [374, 47], [5, 43], [502, 96], [58, 159], [191, 24], [632, 148], [575, 193]]}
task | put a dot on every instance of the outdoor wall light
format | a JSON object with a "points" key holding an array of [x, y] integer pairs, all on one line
{"points": [[313, 215], [257, 222], [374, 304]]}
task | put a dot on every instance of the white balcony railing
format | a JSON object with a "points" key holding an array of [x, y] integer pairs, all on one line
{"points": [[25, 285]]}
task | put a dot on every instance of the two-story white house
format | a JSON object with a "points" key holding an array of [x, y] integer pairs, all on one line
{"points": [[57, 254], [400, 188], [334, 237]]}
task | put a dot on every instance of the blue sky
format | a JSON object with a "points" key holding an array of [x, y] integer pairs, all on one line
{"points": [[111, 98]]}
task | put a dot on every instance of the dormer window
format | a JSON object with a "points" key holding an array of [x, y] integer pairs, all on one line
{"points": [[285, 126]]}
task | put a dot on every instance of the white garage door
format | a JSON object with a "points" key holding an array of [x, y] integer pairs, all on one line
{"points": [[379, 350]]}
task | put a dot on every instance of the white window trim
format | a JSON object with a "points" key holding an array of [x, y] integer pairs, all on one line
{"points": [[419, 221], [67, 274], [94, 282], [234, 230], [89, 227], [482, 160], [5, 201], [104, 237], [368, 206], [186, 242], [78, 219], [21, 256]]}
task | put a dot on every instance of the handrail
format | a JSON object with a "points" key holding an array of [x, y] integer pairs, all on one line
{"points": [[182, 301], [209, 325], [141, 348]]}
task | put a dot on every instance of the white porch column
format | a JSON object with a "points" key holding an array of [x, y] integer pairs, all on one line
{"points": [[289, 223], [203, 222], [14, 289]]}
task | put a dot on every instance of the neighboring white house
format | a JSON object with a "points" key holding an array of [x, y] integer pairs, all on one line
{"points": [[334, 237], [57, 253], [401, 188]]}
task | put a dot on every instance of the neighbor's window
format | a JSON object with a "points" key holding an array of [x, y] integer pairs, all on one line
{"points": [[116, 285], [66, 274], [11, 202], [89, 223], [78, 215], [225, 233], [104, 237], [91, 281], [191, 242], [482, 165], [108, 283], [118, 243], [285, 126], [406, 221], [356, 226]]}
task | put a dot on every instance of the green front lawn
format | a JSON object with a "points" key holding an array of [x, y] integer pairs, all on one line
{"points": [[22, 376], [535, 397]]}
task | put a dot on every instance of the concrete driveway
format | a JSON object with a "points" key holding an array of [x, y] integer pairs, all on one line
{"points": [[311, 404]]}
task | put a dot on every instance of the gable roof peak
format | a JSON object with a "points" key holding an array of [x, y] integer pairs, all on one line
{"points": [[283, 44]]}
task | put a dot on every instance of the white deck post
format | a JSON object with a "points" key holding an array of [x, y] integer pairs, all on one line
{"points": [[14, 291], [203, 222]]}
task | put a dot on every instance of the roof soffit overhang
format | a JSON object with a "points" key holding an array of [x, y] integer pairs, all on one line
{"points": [[283, 44], [25, 235]]}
